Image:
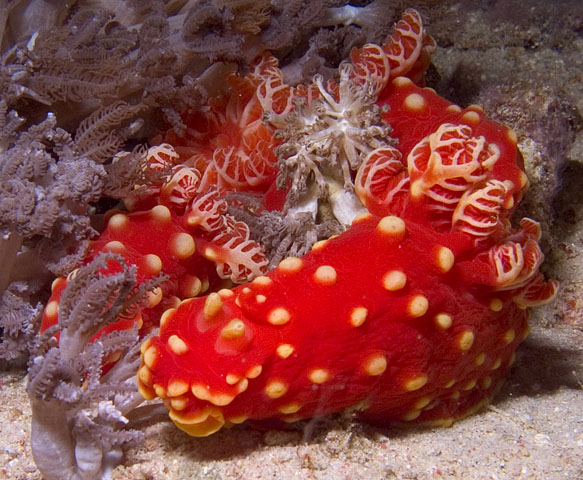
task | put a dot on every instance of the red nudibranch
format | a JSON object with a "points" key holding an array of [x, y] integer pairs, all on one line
{"points": [[403, 318], [379, 319], [412, 315]]}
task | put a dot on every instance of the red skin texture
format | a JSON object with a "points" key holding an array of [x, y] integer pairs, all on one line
{"points": [[274, 198], [146, 234], [324, 338], [410, 127]]}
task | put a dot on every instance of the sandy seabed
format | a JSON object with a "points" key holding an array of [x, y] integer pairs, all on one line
{"points": [[526, 70]]}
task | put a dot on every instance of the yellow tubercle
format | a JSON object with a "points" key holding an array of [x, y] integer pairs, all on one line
{"points": [[325, 275], [177, 345], [418, 306], [205, 423], [212, 306], [278, 316], [394, 280], [416, 383], [375, 365], [275, 389]]}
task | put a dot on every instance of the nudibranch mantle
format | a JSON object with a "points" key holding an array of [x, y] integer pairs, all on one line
{"points": [[406, 339], [413, 314]]}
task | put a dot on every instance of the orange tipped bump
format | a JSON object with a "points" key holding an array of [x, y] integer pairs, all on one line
{"points": [[422, 403], [486, 382], [232, 378], [290, 265], [391, 226], [471, 117], [166, 316], [114, 246], [205, 423], [394, 280], [155, 297], [225, 293], [496, 305], [178, 403], [161, 214], [319, 245], [234, 329], [416, 383], [319, 375], [358, 316], [254, 372], [418, 306], [260, 298], [144, 375], [149, 356], [480, 359], [191, 286], [411, 415], [361, 217], [262, 281], [325, 275], [284, 350], [509, 336], [52, 309], [118, 222], [182, 245], [443, 320], [402, 82], [279, 316], [177, 388], [177, 345], [470, 384], [152, 264], [275, 389], [454, 109], [375, 365], [466, 340], [496, 364], [444, 259], [212, 306], [290, 408], [414, 103]]}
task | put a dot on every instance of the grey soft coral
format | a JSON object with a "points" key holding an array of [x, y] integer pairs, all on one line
{"points": [[45, 190], [79, 413]]}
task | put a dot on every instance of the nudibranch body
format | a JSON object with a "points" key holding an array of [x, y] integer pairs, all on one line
{"points": [[414, 317], [197, 251], [379, 319], [413, 314]]}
